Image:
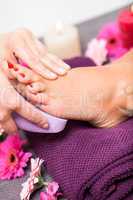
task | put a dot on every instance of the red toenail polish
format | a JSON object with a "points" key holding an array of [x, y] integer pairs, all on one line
{"points": [[23, 75], [11, 79], [10, 65], [15, 69]]}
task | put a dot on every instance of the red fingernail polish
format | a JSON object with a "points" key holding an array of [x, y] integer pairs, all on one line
{"points": [[23, 75], [10, 65]]}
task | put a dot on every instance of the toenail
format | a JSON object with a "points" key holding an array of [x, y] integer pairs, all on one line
{"points": [[11, 78], [10, 65], [15, 69], [22, 74]]}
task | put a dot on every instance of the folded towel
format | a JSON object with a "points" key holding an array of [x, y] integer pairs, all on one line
{"points": [[89, 163]]}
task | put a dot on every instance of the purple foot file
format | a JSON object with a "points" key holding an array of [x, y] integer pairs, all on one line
{"points": [[55, 124]]}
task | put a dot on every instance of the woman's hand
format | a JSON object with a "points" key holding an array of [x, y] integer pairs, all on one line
{"points": [[23, 45], [11, 101]]}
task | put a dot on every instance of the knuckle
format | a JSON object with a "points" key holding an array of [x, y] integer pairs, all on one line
{"points": [[41, 122], [15, 38], [35, 62], [53, 57], [18, 35], [37, 117]]}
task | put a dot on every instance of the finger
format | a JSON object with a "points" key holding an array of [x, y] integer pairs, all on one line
{"points": [[38, 50], [11, 58], [30, 112], [51, 65], [34, 62], [6, 122], [41, 47], [58, 62], [30, 42], [51, 61], [9, 126], [4, 114]]}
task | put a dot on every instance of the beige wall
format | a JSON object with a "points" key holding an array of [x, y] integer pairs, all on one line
{"points": [[39, 14]]}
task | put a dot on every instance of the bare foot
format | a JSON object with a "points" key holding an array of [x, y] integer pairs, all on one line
{"points": [[84, 94], [102, 95]]}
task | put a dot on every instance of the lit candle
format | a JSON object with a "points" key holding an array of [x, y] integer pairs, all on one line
{"points": [[125, 21], [63, 41]]}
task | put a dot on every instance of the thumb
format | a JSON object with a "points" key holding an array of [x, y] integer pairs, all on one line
{"points": [[9, 126]]}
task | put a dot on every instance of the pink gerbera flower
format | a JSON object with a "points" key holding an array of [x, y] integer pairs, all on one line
{"points": [[110, 32], [12, 158]]}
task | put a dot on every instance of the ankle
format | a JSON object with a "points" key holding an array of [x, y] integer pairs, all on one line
{"points": [[123, 76]]}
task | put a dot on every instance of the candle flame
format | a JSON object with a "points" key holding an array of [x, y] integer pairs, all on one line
{"points": [[59, 27]]}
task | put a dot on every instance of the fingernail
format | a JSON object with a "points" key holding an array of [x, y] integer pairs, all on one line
{"points": [[62, 70], [10, 65], [52, 75], [45, 125], [67, 66]]}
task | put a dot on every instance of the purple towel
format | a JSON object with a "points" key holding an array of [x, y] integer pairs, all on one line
{"points": [[89, 163]]}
